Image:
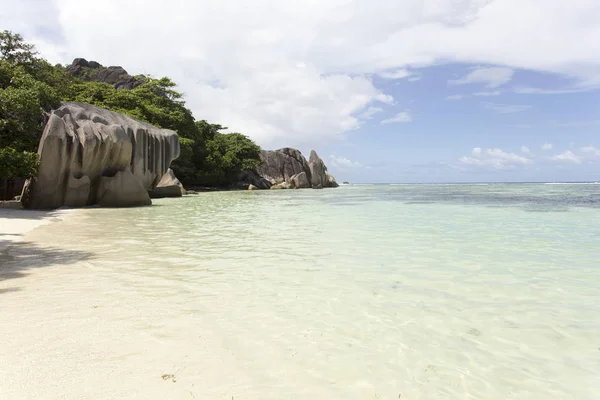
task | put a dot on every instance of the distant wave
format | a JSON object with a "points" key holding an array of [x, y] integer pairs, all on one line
{"points": [[572, 183]]}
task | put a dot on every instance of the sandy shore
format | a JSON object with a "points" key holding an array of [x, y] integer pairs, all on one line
{"points": [[16, 222]]}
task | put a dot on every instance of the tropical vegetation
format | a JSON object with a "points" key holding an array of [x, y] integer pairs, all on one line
{"points": [[30, 88]]}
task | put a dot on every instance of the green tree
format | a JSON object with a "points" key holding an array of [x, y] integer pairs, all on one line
{"points": [[27, 91], [30, 87], [15, 50]]}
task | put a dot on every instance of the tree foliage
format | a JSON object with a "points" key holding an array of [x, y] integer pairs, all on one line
{"points": [[15, 163], [30, 87]]}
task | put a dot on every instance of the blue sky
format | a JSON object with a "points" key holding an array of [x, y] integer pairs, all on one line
{"points": [[384, 90], [447, 121]]}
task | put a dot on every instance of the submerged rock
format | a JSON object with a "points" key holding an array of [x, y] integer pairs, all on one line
{"points": [[89, 155]]}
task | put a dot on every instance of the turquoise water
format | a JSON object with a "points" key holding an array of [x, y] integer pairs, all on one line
{"points": [[360, 292]]}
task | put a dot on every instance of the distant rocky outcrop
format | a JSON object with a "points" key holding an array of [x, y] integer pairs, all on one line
{"points": [[89, 155], [95, 72], [318, 171], [287, 169]]}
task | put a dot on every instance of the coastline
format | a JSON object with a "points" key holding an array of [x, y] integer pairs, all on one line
{"points": [[16, 222]]}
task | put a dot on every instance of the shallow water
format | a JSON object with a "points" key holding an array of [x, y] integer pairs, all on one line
{"points": [[362, 292]]}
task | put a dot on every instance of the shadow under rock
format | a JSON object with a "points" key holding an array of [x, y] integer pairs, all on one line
{"points": [[21, 257]]}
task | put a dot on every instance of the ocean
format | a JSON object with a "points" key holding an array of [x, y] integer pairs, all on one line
{"points": [[487, 291]]}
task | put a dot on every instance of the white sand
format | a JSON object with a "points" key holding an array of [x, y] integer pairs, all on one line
{"points": [[15, 223]]}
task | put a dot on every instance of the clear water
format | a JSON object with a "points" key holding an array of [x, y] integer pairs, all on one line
{"points": [[362, 292]]}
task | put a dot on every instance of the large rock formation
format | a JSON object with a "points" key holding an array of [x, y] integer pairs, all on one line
{"points": [[281, 165], [89, 155], [320, 177], [288, 169], [93, 71]]}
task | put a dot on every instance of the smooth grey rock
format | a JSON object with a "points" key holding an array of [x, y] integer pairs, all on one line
{"points": [[169, 186], [282, 185], [80, 140], [281, 165], [78, 191], [122, 190], [320, 176], [96, 72], [246, 178], [300, 181]]}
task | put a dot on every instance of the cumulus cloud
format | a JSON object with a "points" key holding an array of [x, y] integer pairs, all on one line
{"points": [[547, 146], [490, 76], [525, 150], [343, 162], [494, 159], [370, 112], [403, 116], [298, 72], [591, 153], [567, 157], [506, 108]]}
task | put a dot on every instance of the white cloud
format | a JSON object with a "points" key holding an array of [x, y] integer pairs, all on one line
{"points": [[403, 116], [455, 97], [490, 76], [525, 150], [493, 159], [487, 94], [368, 114], [567, 157], [297, 73], [591, 153], [397, 74], [547, 146], [506, 108], [343, 162]]}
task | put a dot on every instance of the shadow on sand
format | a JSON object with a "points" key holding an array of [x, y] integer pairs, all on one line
{"points": [[18, 258], [14, 210]]}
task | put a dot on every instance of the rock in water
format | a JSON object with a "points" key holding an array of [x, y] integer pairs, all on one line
{"points": [[89, 155], [169, 186], [281, 165], [288, 169], [320, 177], [300, 181]]}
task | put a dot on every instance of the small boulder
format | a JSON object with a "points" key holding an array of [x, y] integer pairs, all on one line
{"points": [[252, 187], [282, 185], [300, 181], [169, 186]]}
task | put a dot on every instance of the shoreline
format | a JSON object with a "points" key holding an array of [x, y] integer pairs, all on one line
{"points": [[16, 222]]}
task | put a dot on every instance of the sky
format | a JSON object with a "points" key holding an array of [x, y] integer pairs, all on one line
{"points": [[384, 90]]}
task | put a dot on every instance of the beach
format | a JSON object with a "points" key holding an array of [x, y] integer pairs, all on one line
{"points": [[411, 292]]}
